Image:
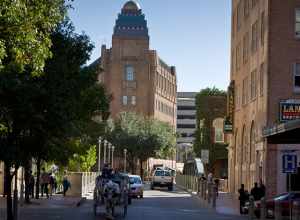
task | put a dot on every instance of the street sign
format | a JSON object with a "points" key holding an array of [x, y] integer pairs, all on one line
{"points": [[205, 156], [289, 163]]}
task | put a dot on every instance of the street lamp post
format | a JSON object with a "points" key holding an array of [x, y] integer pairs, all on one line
{"points": [[125, 152], [109, 153], [112, 156], [104, 154], [99, 154]]}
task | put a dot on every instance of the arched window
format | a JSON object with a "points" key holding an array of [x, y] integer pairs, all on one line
{"points": [[244, 145], [236, 148], [129, 73], [252, 143], [218, 130]]}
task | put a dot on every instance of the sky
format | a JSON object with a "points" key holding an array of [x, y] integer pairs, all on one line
{"points": [[193, 35]]}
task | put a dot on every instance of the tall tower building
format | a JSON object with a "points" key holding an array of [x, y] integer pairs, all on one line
{"points": [[138, 79], [265, 78]]}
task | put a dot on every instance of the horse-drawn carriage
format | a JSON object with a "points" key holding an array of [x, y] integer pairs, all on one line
{"points": [[112, 193]]}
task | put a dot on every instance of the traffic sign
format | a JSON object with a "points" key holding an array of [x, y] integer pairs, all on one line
{"points": [[289, 163]]}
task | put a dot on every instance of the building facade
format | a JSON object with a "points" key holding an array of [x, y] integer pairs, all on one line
{"points": [[186, 125], [265, 72], [138, 79]]}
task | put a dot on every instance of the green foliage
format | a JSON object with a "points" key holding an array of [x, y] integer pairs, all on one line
{"points": [[83, 162], [25, 28], [210, 104], [142, 137], [45, 115]]}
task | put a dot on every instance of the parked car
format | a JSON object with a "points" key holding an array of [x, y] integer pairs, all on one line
{"points": [[284, 201], [162, 178], [136, 186]]}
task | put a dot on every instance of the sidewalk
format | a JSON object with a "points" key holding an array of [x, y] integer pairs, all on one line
{"points": [[56, 201], [227, 204]]}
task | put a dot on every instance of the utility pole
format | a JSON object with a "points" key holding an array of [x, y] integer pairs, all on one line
{"points": [[125, 152], [112, 156], [99, 154]]}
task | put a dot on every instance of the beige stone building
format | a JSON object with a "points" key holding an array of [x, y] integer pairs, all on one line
{"points": [[138, 79], [265, 73]]}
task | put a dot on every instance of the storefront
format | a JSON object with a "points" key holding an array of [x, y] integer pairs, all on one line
{"points": [[284, 146]]}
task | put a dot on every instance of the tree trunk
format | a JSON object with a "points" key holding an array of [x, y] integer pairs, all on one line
{"points": [[8, 179], [38, 173], [27, 187], [141, 170]]}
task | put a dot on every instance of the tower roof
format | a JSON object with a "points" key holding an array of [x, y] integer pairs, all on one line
{"points": [[131, 5], [131, 21]]}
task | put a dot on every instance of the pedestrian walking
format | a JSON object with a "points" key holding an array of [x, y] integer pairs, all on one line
{"points": [[31, 183], [66, 185], [51, 183], [256, 192], [262, 189], [242, 198], [44, 183]]}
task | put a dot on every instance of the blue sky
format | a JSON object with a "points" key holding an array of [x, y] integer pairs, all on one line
{"points": [[193, 35]]}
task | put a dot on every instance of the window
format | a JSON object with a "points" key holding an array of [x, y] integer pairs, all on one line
{"points": [[232, 62], [253, 84], [186, 117], [186, 126], [246, 8], [261, 79], [239, 15], [254, 42], [262, 28], [238, 57], [129, 73], [133, 100], [245, 48], [186, 107], [218, 130], [245, 91], [297, 77], [254, 2], [125, 100], [297, 23]]}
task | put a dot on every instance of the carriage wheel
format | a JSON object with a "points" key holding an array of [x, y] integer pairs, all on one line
{"points": [[95, 209], [113, 211], [125, 211]]}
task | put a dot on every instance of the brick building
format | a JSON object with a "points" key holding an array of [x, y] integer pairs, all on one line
{"points": [[138, 79], [265, 75]]}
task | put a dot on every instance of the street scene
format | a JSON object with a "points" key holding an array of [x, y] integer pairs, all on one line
{"points": [[139, 109]]}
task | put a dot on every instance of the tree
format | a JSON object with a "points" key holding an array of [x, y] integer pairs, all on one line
{"points": [[42, 116], [83, 162], [210, 104], [142, 137], [25, 28]]}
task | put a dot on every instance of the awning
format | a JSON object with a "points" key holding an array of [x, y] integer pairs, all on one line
{"points": [[285, 133]]}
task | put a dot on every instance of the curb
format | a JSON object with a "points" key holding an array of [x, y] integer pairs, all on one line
{"points": [[81, 201]]}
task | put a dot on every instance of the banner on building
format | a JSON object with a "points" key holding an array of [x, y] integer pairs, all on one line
{"points": [[228, 122], [289, 110]]}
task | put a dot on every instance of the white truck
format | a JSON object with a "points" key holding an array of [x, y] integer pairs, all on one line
{"points": [[162, 178]]}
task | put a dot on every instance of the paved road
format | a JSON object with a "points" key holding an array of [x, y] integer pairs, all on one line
{"points": [[157, 205]]}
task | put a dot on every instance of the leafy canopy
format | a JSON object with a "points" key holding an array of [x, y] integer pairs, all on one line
{"points": [[25, 28]]}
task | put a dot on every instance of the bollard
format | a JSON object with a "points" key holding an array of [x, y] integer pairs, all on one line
{"points": [[296, 210], [251, 207], [263, 209], [209, 193], [214, 195], [277, 211], [204, 190]]}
